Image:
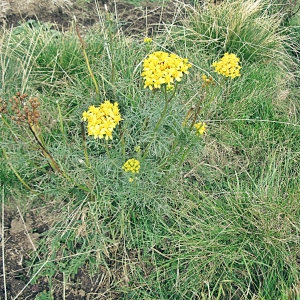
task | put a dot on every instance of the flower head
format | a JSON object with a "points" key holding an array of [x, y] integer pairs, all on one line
{"points": [[163, 68], [200, 128], [132, 165], [228, 66], [147, 40], [102, 120], [137, 149]]}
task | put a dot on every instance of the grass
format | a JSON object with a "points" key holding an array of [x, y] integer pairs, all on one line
{"points": [[214, 217]]}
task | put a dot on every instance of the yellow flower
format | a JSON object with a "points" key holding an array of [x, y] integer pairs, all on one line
{"points": [[131, 165], [147, 40], [102, 120], [228, 66], [163, 68], [200, 128]]}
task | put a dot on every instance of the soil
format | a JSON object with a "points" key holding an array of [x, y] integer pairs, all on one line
{"points": [[20, 232], [20, 238], [143, 19]]}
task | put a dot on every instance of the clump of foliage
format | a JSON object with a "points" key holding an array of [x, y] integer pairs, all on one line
{"points": [[179, 168]]}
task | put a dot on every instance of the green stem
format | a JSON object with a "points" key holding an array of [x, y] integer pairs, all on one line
{"points": [[174, 92], [161, 117], [167, 101], [163, 114], [197, 111], [135, 184], [155, 129], [214, 94], [62, 129], [184, 156], [88, 63], [122, 144], [46, 153]]}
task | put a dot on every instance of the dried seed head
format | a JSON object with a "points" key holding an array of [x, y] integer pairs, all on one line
{"points": [[23, 110]]}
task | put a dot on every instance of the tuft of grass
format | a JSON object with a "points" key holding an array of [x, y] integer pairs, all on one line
{"points": [[240, 27]]}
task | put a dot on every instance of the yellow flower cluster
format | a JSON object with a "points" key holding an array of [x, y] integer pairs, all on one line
{"points": [[132, 165], [147, 40], [102, 120], [137, 149], [163, 68], [228, 66], [200, 128]]}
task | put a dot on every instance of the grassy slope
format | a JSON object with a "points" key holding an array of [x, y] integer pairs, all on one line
{"points": [[225, 226]]}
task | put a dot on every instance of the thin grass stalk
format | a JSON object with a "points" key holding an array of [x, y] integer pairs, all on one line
{"points": [[83, 46], [197, 111], [61, 123], [122, 144], [31, 279]]}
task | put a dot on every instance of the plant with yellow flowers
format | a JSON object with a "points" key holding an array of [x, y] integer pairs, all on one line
{"points": [[228, 66], [102, 120], [147, 40], [200, 128], [132, 166], [152, 132], [163, 72], [161, 68]]}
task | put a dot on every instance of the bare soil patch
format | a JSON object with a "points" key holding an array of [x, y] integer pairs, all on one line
{"points": [[21, 237], [145, 19]]}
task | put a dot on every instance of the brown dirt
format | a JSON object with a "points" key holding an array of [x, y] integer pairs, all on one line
{"points": [[21, 236], [143, 19]]}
